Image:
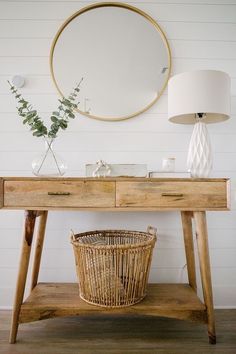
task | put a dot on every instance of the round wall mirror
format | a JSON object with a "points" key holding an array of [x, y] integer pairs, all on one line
{"points": [[122, 55]]}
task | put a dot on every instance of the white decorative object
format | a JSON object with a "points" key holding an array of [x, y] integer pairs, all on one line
{"points": [[199, 97], [102, 169], [120, 170], [18, 81], [168, 164]]}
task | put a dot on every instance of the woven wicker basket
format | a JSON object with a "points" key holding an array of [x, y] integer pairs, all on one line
{"points": [[113, 265]]}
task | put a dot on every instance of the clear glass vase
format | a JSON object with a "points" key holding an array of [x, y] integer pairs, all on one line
{"points": [[48, 163]]}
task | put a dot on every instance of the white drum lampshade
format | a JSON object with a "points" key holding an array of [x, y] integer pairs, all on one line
{"points": [[199, 97]]}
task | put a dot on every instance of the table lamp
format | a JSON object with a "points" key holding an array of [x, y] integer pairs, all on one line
{"points": [[199, 97]]}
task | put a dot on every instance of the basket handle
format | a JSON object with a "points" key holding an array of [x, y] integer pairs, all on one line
{"points": [[72, 235], [152, 230]]}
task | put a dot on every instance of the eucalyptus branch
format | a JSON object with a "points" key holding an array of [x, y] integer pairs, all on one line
{"points": [[59, 118], [29, 115]]}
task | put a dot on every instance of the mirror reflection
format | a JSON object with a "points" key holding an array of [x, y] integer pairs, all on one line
{"points": [[122, 55]]}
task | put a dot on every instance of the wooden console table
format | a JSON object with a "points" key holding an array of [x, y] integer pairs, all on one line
{"points": [[191, 197]]}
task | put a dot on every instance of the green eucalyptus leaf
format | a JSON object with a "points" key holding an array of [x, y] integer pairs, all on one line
{"points": [[54, 119], [59, 118], [71, 115], [38, 134], [55, 113], [31, 114], [67, 103], [63, 124]]}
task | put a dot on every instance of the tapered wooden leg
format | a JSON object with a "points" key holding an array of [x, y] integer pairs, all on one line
{"points": [[189, 247], [22, 272], [204, 262], [39, 247]]}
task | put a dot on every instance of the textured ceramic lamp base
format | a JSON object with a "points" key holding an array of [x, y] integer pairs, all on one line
{"points": [[199, 155]]}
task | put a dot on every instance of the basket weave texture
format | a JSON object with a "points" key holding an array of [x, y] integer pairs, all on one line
{"points": [[113, 265]]}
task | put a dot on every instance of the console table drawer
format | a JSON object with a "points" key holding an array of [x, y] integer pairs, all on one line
{"points": [[191, 195], [71, 194]]}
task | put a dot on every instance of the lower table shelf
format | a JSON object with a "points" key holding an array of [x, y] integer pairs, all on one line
{"points": [[48, 300]]}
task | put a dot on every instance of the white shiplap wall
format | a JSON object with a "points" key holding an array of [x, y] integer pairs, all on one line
{"points": [[202, 35]]}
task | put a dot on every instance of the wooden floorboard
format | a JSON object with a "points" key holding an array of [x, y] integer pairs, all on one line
{"points": [[118, 335]]}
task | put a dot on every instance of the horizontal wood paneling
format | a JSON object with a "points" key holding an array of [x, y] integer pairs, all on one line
{"points": [[40, 65], [87, 220], [27, 47], [203, 49], [220, 276], [47, 103], [188, 64], [41, 85], [160, 11], [158, 141], [202, 35], [157, 2], [76, 160], [24, 29], [195, 31], [34, 66], [167, 238], [174, 30], [151, 142], [163, 258], [147, 123], [219, 237]]}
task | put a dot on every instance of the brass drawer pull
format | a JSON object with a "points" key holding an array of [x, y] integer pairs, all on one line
{"points": [[172, 194], [58, 193]]}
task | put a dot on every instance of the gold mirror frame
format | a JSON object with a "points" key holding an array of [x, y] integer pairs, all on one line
{"points": [[130, 8]]}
